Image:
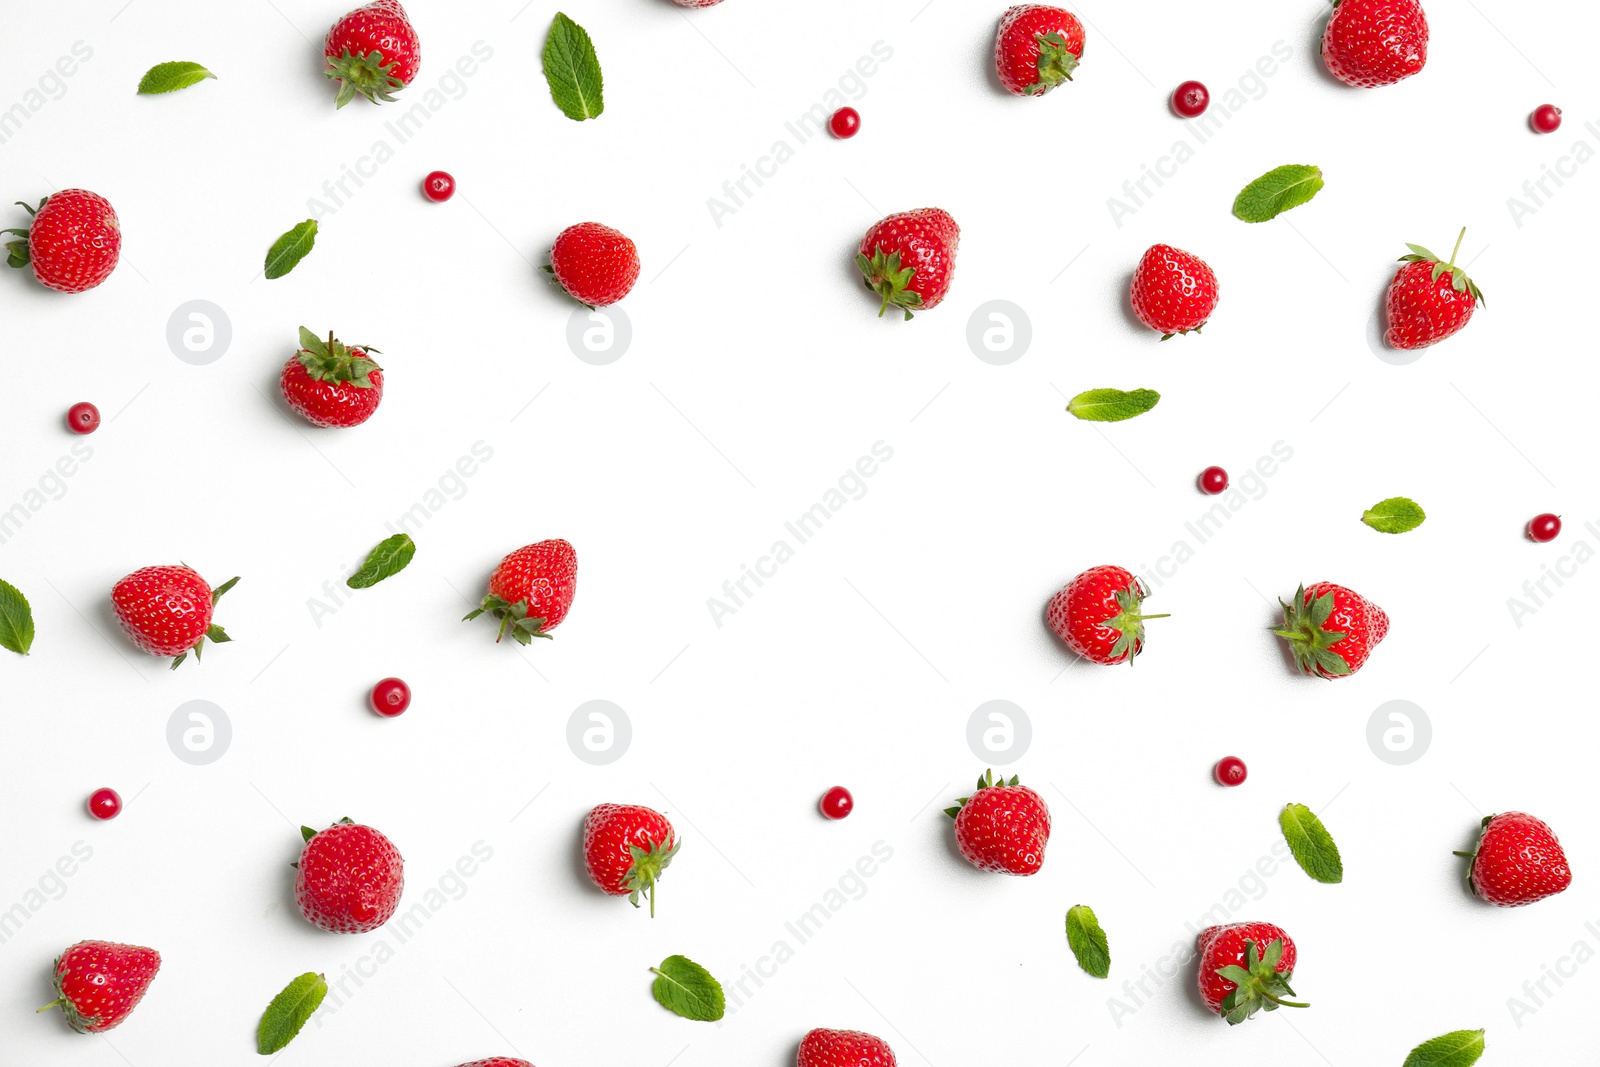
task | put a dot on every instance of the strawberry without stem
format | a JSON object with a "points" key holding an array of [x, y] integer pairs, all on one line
{"points": [[532, 590], [99, 982], [1369, 43], [1003, 827], [909, 259], [330, 384], [626, 849], [372, 51], [1429, 299], [1244, 968], [1099, 615], [73, 243], [1037, 48], [1518, 861], [595, 264], [349, 878], [1173, 291], [166, 611], [1331, 630], [844, 1048]]}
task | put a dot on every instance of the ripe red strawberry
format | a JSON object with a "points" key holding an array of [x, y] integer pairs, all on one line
{"points": [[1173, 291], [1375, 42], [73, 242], [1332, 630], [498, 1061], [372, 51], [1003, 827], [844, 1048], [1245, 967], [1518, 861], [595, 264], [1037, 48], [531, 591], [1098, 615], [330, 384], [166, 611], [696, 3], [909, 259], [1429, 299], [349, 878], [626, 849], [99, 982]]}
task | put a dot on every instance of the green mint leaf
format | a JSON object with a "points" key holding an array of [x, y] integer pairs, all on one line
{"points": [[1112, 405], [573, 70], [1311, 844], [170, 77], [288, 250], [1458, 1049], [1277, 191], [1394, 516], [1088, 941], [388, 559], [16, 620], [289, 1011], [685, 988]]}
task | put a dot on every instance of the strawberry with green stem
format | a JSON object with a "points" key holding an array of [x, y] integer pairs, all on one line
{"points": [[531, 590], [1429, 299], [1246, 968], [909, 259], [167, 611], [1100, 615], [373, 52], [1331, 630], [626, 850]]}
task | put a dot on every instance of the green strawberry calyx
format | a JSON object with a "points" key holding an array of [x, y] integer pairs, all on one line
{"points": [[17, 251], [1129, 622], [1257, 984], [216, 633], [1056, 63], [83, 1024], [985, 781], [513, 619], [648, 866], [1458, 277], [886, 277], [334, 361], [367, 75], [1311, 643]]}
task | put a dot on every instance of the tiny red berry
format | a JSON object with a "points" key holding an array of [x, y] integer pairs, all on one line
{"points": [[1191, 99], [439, 186], [105, 804], [1546, 119], [846, 122], [390, 697], [837, 802], [1230, 770], [83, 418], [1543, 528], [1213, 480]]}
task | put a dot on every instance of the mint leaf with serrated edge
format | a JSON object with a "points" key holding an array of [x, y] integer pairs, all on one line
{"points": [[288, 250], [170, 77], [1112, 405], [1088, 941], [16, 620], [1394, 516], [387, 559], [1277, 191], [685, 988], [289, 1011], [1460, 1048], [1311, 844], [573, 70]]}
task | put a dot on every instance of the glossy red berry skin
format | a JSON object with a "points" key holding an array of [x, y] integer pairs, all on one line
{"points": [[105, 804], [1190, 100], [83, 418], [595, 264], [1213, 480], [390, 697], [349, 879], [1546, 119], [1544, 528], [1230, 770], [439, 186], [846, 123], [837, 802]]}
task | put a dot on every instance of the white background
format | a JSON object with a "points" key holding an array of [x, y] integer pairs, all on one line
{"points": [[757, 376]]}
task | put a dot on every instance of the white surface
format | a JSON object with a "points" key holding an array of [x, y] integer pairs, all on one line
{"points": [[862, 660]]}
